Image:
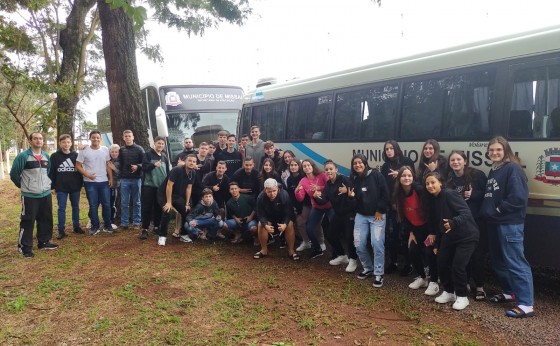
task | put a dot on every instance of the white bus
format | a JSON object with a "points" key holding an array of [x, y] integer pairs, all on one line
{"points": [[461, 96], [196, 111]]}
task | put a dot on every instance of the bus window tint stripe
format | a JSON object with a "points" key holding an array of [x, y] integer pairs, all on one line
{"points": [[318, 158]]}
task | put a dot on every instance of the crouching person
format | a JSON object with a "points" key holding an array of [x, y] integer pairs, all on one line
{"points": [[275, 214], [241, 210], [204, 220]]}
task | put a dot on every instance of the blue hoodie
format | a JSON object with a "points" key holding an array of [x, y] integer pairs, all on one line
{"points": [[505, 199]]}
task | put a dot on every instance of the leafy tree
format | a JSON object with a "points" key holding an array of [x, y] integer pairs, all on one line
{"points": [[119, 18]]}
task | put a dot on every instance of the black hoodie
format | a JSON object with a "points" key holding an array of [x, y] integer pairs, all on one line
{"points": [[63, 173]]}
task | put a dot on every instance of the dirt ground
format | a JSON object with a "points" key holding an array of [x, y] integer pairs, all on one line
{"points": [[117, 289]]}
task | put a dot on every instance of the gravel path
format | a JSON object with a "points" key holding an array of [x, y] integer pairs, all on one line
{"points": [[543, 329]]}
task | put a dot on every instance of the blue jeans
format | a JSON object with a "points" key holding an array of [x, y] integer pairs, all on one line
{"points": [[98, 193], [62, 198], [505, 246], [366, 226], [313, 220], [212, 225], [130, 188], [232, 225]]}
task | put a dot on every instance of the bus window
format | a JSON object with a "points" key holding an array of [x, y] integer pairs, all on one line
{"points": [[308, 118], [245, 126], [466, 112], [366, 113], [422, 109], [535, 96], [271, 120]]}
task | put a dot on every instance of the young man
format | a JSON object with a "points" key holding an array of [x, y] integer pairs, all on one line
{"points": [[188, 148], [248, 178], [131, 156], [222, 141], [175, 191], [275, 214], [203, 167], [230, 156], [30, 174], [204, 220], [93, 164], [255, 148], [155, 169], [241, 210], [218, 182], [272, 153], [66, 182]]}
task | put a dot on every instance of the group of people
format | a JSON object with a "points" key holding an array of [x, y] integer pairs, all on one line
{"points": [[441, 217]]}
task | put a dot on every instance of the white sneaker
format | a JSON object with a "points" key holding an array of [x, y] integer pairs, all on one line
{"points": [[445, 297], [418, 282], [432, 290], [461, 303], [304, 246], [161, 241], [323, 246], [185, 238], [352, 265], [88, 224], [339, 260], [113, 226]]}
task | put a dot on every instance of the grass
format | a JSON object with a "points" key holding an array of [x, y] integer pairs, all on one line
{"points": [[115, 289]]}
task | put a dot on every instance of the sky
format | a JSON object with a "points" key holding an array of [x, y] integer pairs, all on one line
{"points": [[288, 39]]}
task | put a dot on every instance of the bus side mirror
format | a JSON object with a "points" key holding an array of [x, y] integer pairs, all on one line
{"points": [[161, 122]]}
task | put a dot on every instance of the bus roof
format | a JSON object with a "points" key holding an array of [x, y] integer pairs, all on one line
{"points": [[544, 40]]}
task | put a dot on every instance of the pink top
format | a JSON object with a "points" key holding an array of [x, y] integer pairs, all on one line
{"points": [[319, 180]]}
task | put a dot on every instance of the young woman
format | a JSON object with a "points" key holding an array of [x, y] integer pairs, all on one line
{"points": [[431, 160], [410, 202], [268, 171], [504, 208], [456, 240], [284, 166], [372, 202], [342, 223], [314, 180], [301, 209], [396, 241], [471, 183]]}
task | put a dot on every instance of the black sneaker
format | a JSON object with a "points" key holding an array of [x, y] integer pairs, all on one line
{"points": [[108, 230], [26, 254], [47, 246], [365, 274], [378, 281], [282, 242], [317, 253], [271, 240], [406, 270], [78, 230], [61, 234], [144, 234]]}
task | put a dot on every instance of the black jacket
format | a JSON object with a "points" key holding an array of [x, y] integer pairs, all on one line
{"points": [[341, 203], [372, 194], [131, 155], [277, 211]]}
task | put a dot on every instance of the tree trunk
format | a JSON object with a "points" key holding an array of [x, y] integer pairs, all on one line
{"points": [[119, 50], [71, 41]]}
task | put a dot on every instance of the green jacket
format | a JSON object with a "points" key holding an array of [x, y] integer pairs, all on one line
{"points": [[32, 175]]}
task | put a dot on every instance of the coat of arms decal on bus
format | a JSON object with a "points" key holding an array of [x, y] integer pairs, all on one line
{"points": [[548, 167]]}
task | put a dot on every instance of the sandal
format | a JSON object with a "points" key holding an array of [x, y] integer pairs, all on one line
{"points": [[259, 255], [480, 295], [516, 312], [176, 235], [500, 298], [294, 256]]}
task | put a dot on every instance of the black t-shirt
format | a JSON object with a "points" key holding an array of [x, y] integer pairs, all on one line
{"points": [[181, 179]]}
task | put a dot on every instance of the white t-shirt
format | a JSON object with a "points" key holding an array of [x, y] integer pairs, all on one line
{"points": [[95, 161]]}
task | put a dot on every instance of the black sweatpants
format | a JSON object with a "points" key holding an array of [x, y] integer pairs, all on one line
{"points": [[422, 255], [151, 210], [35, 210], [179, 204], [341, 227], [453, 258]]}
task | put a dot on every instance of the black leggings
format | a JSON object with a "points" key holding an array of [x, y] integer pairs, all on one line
{"points": [[420, 254], [342, 226]]}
